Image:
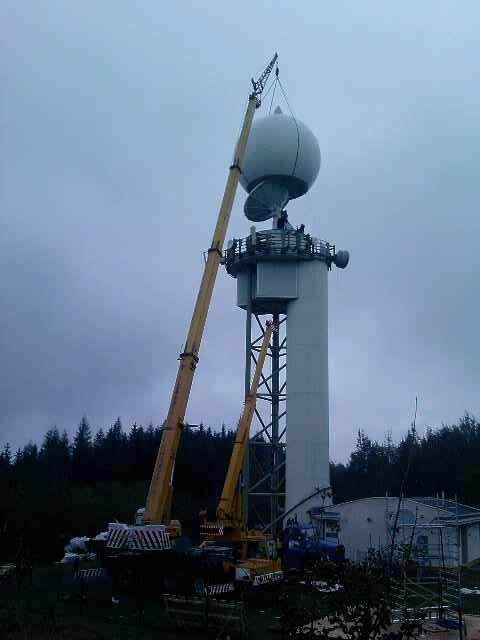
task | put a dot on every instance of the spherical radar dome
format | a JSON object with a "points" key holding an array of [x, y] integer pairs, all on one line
{"points": [[281, 148]]}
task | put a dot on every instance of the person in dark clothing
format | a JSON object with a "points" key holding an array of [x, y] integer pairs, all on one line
{"points": [[282, 221]]}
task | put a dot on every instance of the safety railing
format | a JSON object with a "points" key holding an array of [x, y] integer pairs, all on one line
{"points": [[278, 243]]}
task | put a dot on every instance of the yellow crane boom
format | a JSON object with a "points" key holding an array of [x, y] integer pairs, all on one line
{"points": [[229, 506], [158, 505]]}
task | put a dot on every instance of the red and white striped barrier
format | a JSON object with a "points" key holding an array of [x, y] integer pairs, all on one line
{"points": [[216, 589], [211, 529], [89, 574], [117, 536], [149, 537]]}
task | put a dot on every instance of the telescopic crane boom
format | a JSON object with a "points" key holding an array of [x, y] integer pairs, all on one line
{"points": [[255, 560], [229, 506], [158, 505]]}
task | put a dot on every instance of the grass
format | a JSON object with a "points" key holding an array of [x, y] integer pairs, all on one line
{"points": [[48, 606]]}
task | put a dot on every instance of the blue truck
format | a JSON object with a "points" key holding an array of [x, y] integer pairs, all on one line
{"points": [[302, 547]]}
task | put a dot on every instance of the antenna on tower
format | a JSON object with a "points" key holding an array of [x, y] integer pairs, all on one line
{"points": [[281, 163], [266, 200]]}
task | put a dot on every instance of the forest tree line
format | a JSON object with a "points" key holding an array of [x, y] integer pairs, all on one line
{"points": [[62, 488]]}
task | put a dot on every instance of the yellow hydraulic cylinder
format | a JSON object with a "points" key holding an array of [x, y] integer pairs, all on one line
{"points": [[229, 505], [159, 495]]}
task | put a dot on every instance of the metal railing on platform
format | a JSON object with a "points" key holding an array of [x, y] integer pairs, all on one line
{"points": [[278, 243]]}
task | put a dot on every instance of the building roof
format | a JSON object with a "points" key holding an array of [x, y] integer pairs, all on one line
{"points": [[448, 511], [454, 509]]}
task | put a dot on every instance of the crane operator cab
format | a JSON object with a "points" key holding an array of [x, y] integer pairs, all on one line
{"points": [[259, 563], [252, 559]]}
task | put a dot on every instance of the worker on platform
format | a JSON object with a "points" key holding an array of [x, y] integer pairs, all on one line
{"points": [[282, 222]]}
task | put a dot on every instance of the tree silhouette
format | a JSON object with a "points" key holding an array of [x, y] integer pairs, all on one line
{"points": [[53, 492], [82, 453]]}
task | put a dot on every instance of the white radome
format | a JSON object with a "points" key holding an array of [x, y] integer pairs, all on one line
{"points": [[278, 149]]}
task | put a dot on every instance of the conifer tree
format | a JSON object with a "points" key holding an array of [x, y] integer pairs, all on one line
{"points": [[82, 453]]}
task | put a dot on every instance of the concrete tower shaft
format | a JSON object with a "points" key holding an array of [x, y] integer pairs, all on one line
{"points": [[307, 458]]}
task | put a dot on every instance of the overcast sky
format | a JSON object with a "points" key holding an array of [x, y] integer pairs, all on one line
{"points": [[118, 122]]}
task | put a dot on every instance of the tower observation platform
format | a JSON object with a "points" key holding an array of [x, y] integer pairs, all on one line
{"points": [[275, 244], [265, 253]]}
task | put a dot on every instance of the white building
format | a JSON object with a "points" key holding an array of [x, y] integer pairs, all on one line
{"points": [[439, 529]]}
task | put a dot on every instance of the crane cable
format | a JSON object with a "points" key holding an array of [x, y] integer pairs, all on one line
{"points": [[263, 95], [296, 124], [277, 71], [273, 85]]}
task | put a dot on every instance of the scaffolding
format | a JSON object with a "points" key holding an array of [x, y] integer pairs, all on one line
{"points": [[429, 571]]}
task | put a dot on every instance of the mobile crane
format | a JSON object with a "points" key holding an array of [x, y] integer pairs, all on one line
{"points": [[154, 528], [159, 498]]}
